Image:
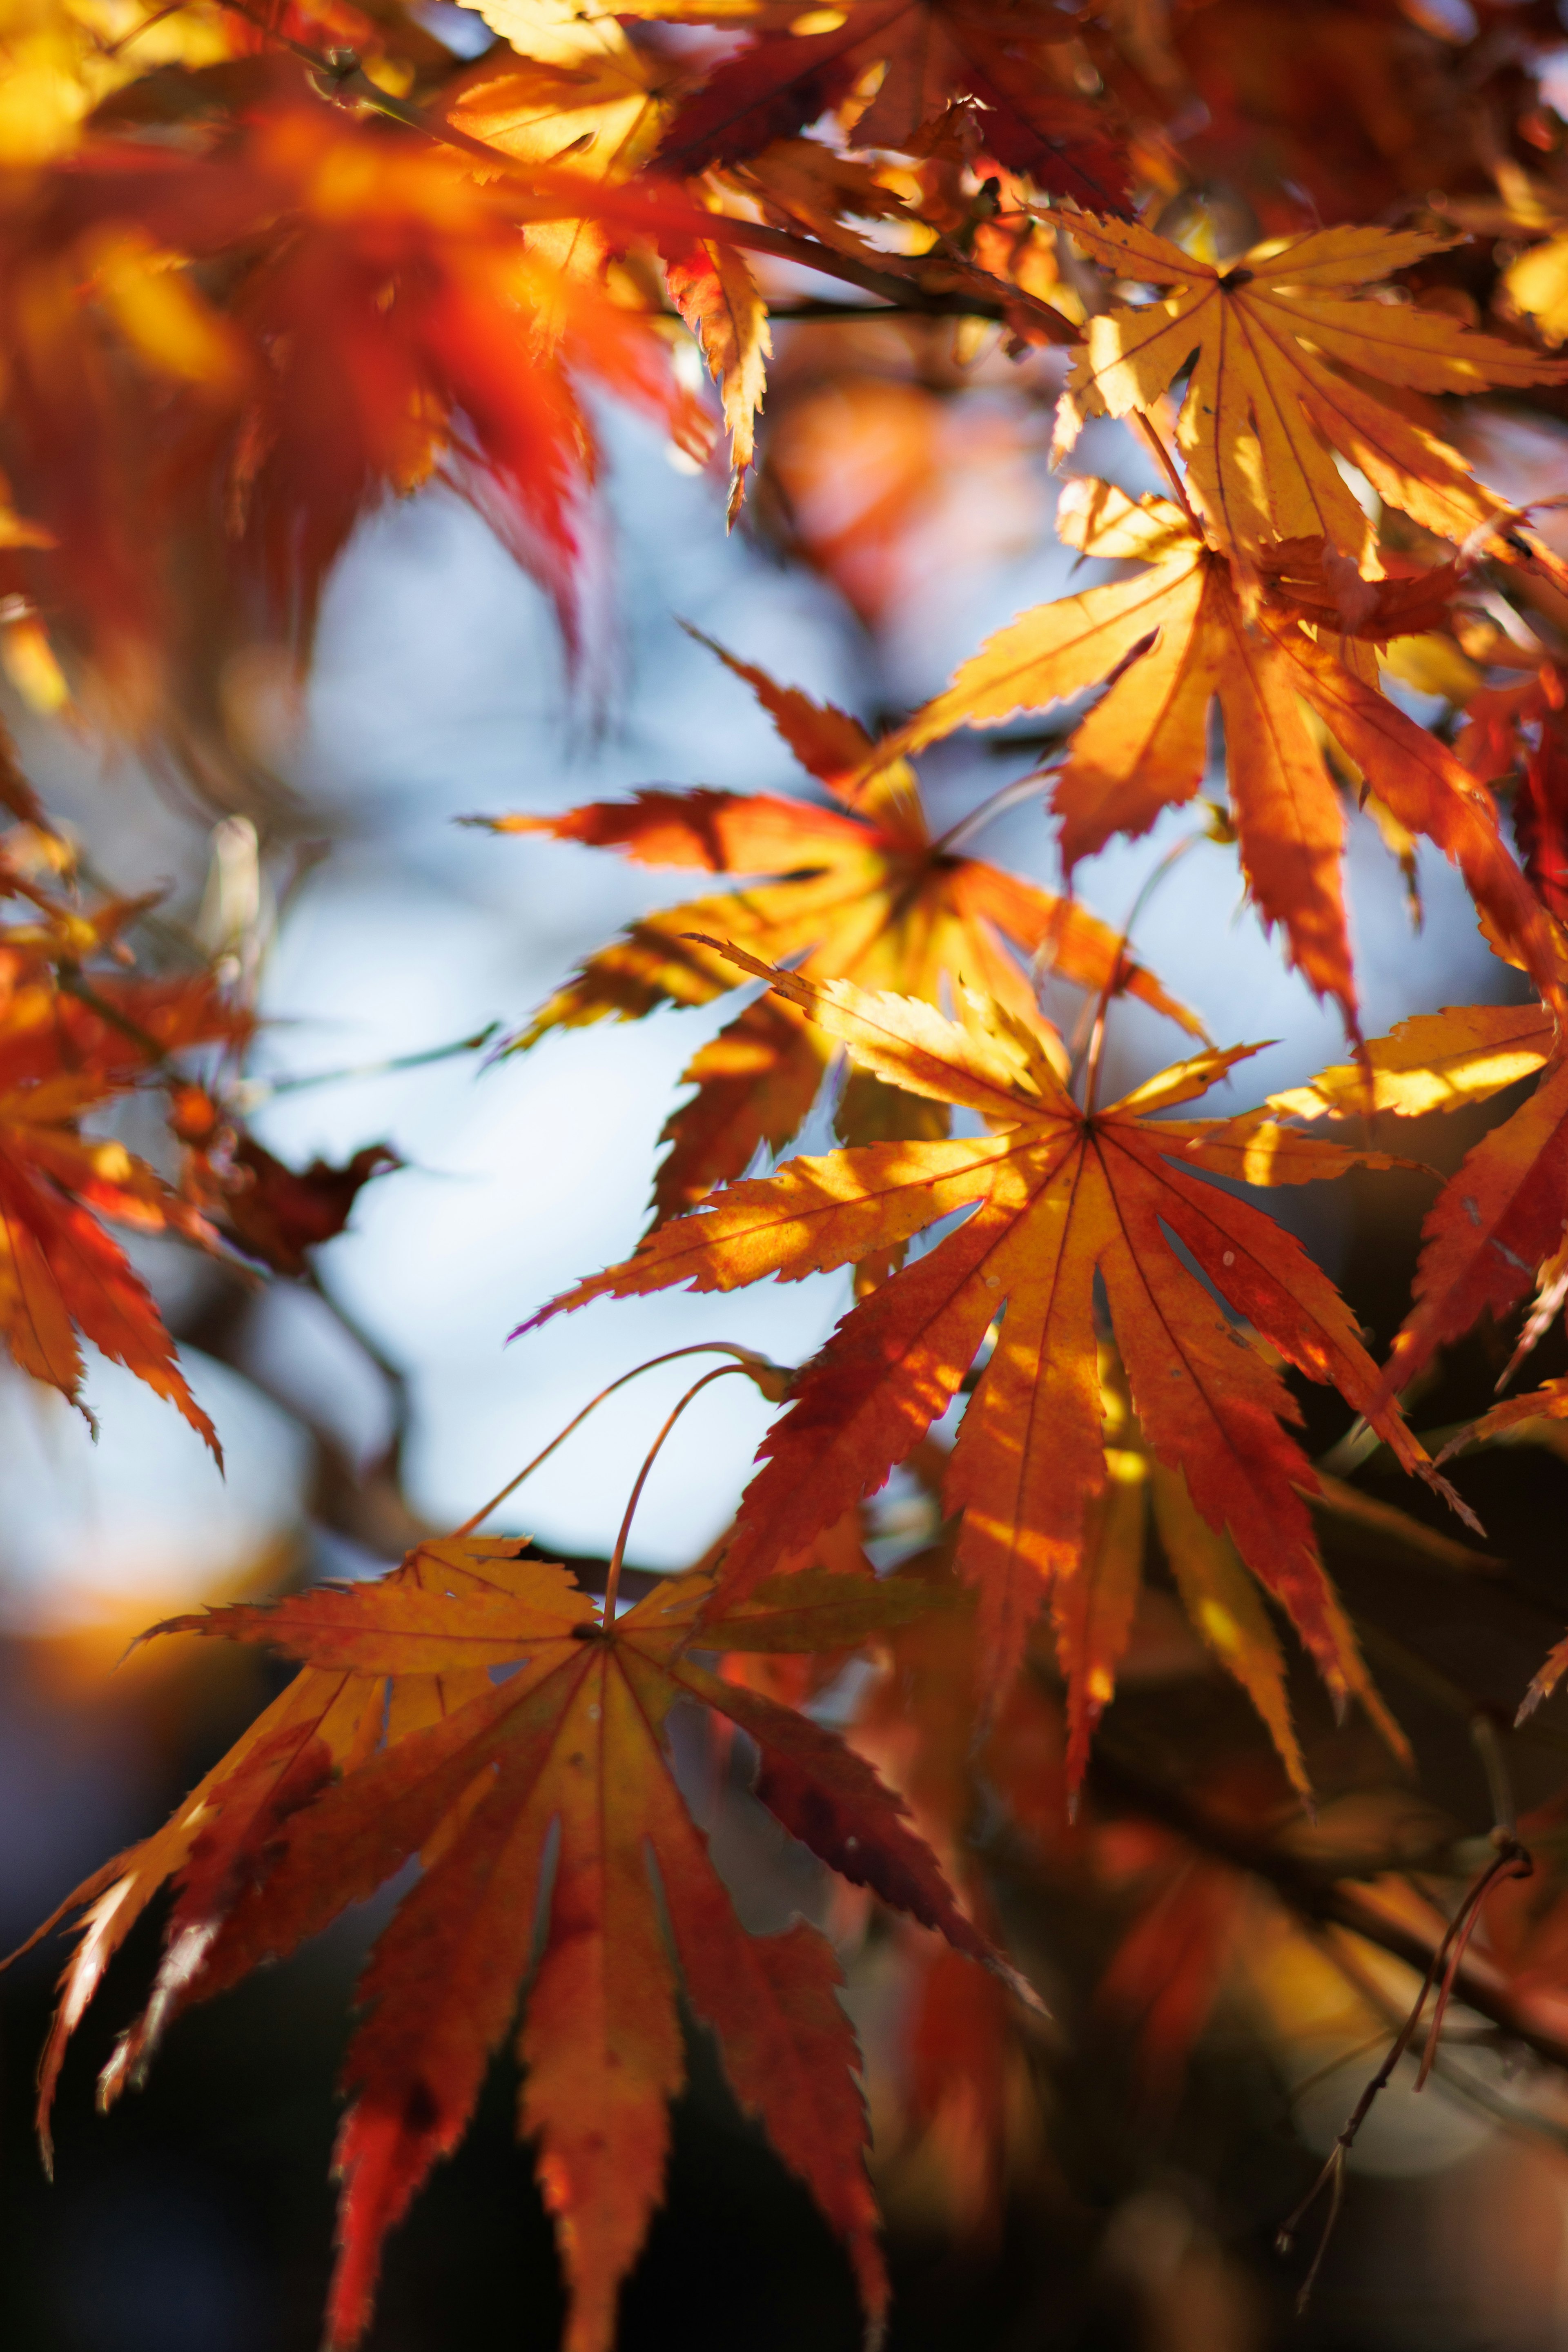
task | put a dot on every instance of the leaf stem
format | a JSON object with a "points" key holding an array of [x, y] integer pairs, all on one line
{"points": [[1488, 1739], [996, 805], [71, 983], [113, 48], [612, 1574], [480, 1038], [747, 1361]]}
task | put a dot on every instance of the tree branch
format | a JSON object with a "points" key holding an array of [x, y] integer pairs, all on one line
{"points": [[344, 79], [1314, 1896]]}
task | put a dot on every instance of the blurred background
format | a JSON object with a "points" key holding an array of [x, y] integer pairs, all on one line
{"points": [[904, 509]]}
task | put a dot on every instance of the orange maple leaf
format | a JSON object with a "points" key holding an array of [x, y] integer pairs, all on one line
{"points": [[864, 893], [1526, 1919], [542, 1806], [917, 1725], [715, 291], [60, 1273], [271, 1211], [376, 317], [1496, 1226], [1060, 1197], [1284, 339], [1172, 640], [67, 1051], [1524, 726]]}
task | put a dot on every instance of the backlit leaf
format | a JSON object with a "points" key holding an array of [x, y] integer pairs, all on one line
{"points": [[1279, 341], [1174, 640], [863, 892], [543, 1807], [1058, 1199]]}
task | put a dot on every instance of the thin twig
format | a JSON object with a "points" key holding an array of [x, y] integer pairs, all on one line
{"points": [[1312, 1895], [474, 1044], [612, 1574], [1510, 1859], [745, 1360], [1465, 2088], [1021, 789], [114, 48]]}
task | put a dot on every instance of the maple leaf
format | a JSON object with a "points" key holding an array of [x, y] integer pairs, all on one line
{"points": [[1525, 725], [1173, 639], [543, 1807], [326, 1719], [272, 1211], [61, 1274], [1498, 1220], [1536, 283], [584, 92], [715, 292], [59, 67], [1280, 343], [586, 97], [863, 891], [367, 394], [66, 1052], [381, 318], [1060, 1197], [1516, 1420], [1165, 1975], [932, 51]]}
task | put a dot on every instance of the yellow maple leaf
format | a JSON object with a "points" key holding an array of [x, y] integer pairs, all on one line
{"points": [[1173, 639], [713, 287], [1281, 343], [63, 58], [581, 97]]}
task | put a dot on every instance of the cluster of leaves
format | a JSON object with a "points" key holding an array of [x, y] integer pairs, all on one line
{"points": [[261, 269], [90, 1043], [83, 1033]]}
